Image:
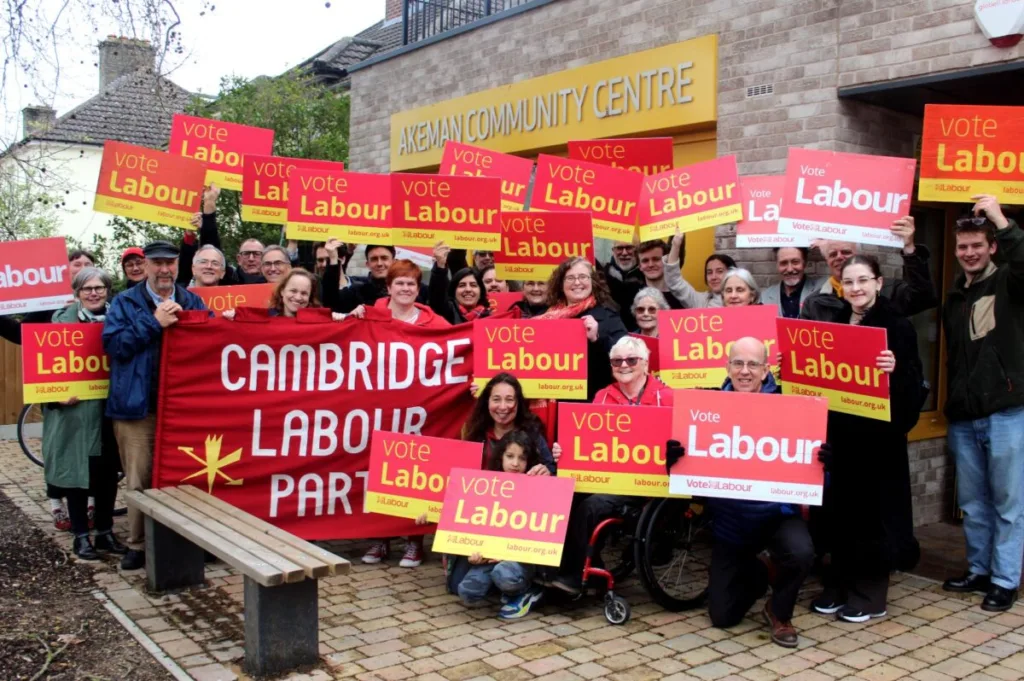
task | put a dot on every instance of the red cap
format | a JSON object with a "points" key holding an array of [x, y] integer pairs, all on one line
{"points": [[134, 250]]}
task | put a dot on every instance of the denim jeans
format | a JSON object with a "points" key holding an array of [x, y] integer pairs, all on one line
{"points": [[989, 454], [473, 582]]}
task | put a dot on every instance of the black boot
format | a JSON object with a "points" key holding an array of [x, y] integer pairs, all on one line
{"points": [[84, 550], [968, 583], [999, 599], [106, 542], [133, 560]]}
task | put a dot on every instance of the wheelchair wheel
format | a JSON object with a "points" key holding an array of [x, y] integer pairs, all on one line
{"points": [[616, 548], [616, 609], [673, 553]]}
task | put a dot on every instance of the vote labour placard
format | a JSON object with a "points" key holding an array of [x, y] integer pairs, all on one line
{"points": [[610, 194], [695, 344], [759, 228], [409, 473], [513, 171], [59, 361], [265, 185], [504, 516], [34, 275], [534, 244], [464, 212], [754, 446], [548, 356], [353, 207], [845, 197], [611, 449], [143, 183], [837, 362], [969, 150], [222, 146], [220, 298], [694, 197], [644, 155]]}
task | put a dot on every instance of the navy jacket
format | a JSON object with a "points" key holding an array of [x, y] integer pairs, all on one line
{"points": [[132, 337]]}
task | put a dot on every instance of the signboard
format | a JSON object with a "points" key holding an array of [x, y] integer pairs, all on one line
{"points": [[845, 197], [548, 356], [34, 275], [759, 228], [753, 446], [60, 361], [837, 362], [505, 516], [464, 212], [654, 361], [694, 197], [970, 150], [644, 155], [609, 449], [695, 344], [352, 207], [265, 185], [513, 171], [142, 183], [220, 298], [610, 194], [409, 473], [533, 245], [222, 146]]}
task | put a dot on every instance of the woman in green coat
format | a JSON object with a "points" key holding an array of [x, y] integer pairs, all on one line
{"points": [[79, 450]]}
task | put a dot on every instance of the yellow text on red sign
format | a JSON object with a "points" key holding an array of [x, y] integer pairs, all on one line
{"points": [[223, 146], [533, 245], [60, 361], [513, 171], [548, 356], [686, 199], [610, 194], [339, 204], [464, 212]]}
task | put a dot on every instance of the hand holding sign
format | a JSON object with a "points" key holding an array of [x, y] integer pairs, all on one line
{"points": [[166, 313]]}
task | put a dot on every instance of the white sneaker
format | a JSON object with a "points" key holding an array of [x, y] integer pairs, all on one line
{"points": [[413, 556]]}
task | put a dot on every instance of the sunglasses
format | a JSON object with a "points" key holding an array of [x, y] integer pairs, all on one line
{"points": [[647, 310], [974, 221], [625, 361]]}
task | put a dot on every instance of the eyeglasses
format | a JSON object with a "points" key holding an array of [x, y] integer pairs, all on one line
{"points": [[203, 262], [976, 221], [739, 364], [89, 290], [622, 249], [251, 254], [275, 264], [577, 278], [647, 310], [862, 282], [625, 361]]}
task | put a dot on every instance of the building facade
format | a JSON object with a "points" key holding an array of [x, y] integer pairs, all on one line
{"points": [[750, 78]]}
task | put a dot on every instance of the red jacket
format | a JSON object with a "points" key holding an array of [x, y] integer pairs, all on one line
{"points": [[655, 394], [427, 316]]}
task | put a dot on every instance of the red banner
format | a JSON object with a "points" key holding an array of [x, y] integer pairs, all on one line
{"points": [[464, 212], [837, 362], [759, 228], [645, 155], [34, 275], [275, 416], [749, 446], [533, 245], [222, 146], [59, 361], [695, 197], [353, 207], [265, 185], [513, 171], [845, 197], [220, 298], [610, 194]]}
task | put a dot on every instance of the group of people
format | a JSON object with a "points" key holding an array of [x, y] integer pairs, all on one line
{"points": [[864, 527]]}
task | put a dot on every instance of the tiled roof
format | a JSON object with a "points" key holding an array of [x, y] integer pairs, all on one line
{"points": [[330, 65]]}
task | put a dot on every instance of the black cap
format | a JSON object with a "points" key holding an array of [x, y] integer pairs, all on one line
{"points": [[160, 249]]}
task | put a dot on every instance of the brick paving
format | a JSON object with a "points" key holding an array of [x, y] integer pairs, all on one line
{"points": [[385, 623]]}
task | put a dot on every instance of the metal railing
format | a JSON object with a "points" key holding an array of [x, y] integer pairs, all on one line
{"points": [[422, 19]]}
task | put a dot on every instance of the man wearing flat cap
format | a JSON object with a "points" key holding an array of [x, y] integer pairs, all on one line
{"points": [[132, 333]]}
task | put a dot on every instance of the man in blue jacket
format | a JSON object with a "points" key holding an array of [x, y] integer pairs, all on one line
{"points": [[132, 333]]}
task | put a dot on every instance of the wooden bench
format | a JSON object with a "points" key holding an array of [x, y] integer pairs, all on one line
{"points": [[280, 590]]}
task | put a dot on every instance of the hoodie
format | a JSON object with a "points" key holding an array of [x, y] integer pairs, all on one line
{"points": [[427, 318]]}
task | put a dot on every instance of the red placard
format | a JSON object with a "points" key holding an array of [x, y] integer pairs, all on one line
{"points": [[548, 356], [222, 146], [752, 446], [354, 207], [464, 212], [142, 183], [645, 155], [654, 361], [409, 473], [220, 298], [513, 171], [59, 361], [759, 228], [970, 150], [503, 302], [694, 197], [505, 516], [533, 245], [837, 362], [265, 185], [695, 343], [34, 275], [610, 194], [610, 449], [845, 197]]}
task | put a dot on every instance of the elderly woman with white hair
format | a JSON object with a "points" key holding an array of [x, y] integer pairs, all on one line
{"points": [[633, 386], [646, 305], [739, 288]]}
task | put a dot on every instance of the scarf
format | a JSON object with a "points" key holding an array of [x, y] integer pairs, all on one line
{"points": [[86, 316], [563, 311], [472, 313], [837, 287]]}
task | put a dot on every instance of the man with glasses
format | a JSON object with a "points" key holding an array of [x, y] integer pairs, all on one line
{"points": [[208, 266], [250, 260], [983, 319], [276, 263]]}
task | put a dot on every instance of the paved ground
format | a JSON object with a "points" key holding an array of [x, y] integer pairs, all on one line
{"points": [[385, 623]]}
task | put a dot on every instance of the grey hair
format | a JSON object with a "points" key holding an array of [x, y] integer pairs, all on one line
{"points": [[87, 273], [211, 247], [631, 343], [654, 294], [747, 278], [275, 247]]}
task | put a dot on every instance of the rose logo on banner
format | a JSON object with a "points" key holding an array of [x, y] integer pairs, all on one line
{"points": [[213, 462]]}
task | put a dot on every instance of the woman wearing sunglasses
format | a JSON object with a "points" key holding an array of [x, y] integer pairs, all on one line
{"points": [[646, 304]]}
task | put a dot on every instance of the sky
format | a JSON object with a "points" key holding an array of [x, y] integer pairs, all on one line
{"points": [[247, 38]]}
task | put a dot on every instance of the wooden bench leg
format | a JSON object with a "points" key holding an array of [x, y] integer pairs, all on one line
{"points": [[281, 625], [172, 561]]}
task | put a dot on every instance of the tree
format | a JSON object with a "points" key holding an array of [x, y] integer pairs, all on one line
{"points": [[26, 208]]}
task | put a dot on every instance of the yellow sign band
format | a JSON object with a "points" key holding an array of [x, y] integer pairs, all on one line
{"points": [[143, 211], [317, 231], [498, 548], [625, 484], [691, 223], [843, 402], [424, 236], [401, 507], [273, 216], [224, 179], [39, 393]]}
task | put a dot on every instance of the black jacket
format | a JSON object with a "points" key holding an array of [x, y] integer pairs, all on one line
{"points": [[441, 294], [984, 326], [528, 311], [347, 299], [623, 285], [609, 330], [10, 326]]}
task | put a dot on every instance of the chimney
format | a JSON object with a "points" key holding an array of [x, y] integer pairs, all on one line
{"points": [[37, 119], [394, 10], [119, 56]]}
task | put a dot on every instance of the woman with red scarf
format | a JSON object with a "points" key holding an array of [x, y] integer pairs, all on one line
{"points": [[461, 299]]}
